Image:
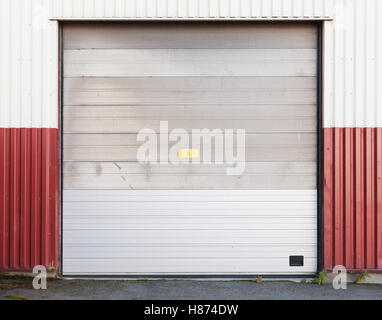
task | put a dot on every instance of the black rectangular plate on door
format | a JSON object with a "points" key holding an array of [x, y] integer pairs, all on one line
{"points": [[296, 261]]}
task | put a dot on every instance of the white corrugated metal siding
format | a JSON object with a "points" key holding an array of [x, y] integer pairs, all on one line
{"points": [[29, 42], [192, 9], [28, 65], [353, 65]]}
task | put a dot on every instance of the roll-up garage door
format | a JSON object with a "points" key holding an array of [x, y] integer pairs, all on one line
{"points": [[124, 216]]}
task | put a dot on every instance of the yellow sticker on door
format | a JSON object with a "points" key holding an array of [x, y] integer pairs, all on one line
{"points": [[188, 154]]}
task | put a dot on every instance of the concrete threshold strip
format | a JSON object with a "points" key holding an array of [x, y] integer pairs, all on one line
{"points": [[373, 278]]}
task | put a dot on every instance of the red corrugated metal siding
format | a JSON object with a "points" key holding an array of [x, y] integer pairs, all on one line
{"points": [[29, 198], [352, 222], [352, 215]]}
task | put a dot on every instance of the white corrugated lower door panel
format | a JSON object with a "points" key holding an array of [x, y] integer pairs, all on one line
{"points": [[189, 232], [122, 217]]}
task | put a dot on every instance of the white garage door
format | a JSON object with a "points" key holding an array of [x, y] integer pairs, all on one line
{"points": [[122, 216]]}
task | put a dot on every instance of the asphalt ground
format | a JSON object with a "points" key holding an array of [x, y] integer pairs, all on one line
{"points": [[19, 288]]}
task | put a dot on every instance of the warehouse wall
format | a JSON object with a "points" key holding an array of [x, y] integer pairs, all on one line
{"points": [[352, 140], [28, 136], [352, 114], [353, 49]]}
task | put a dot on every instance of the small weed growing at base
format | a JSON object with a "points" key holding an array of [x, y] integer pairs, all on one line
{"points": [[362, 277], [258, 280], [321, 278]]}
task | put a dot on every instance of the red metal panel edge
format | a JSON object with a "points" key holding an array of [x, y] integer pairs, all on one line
{"points": [[36, 198], [45, 186], [4, 196], [25, 219], [55, 197], [359, 168], [370, 175], [14, 207], [328, 198], [349, 196], [49, 199], [338, 197], [378, 223]]}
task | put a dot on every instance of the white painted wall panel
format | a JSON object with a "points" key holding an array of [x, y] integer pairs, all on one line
{"points": [[194, 9], [136, 232], [28, 65], [5, 92], [353, 57]]}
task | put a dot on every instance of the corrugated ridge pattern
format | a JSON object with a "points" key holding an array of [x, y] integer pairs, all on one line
{"points": [[353, 65], [28, 198], [29, 55], [28, 64], [352, 221], [191, 9]]}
